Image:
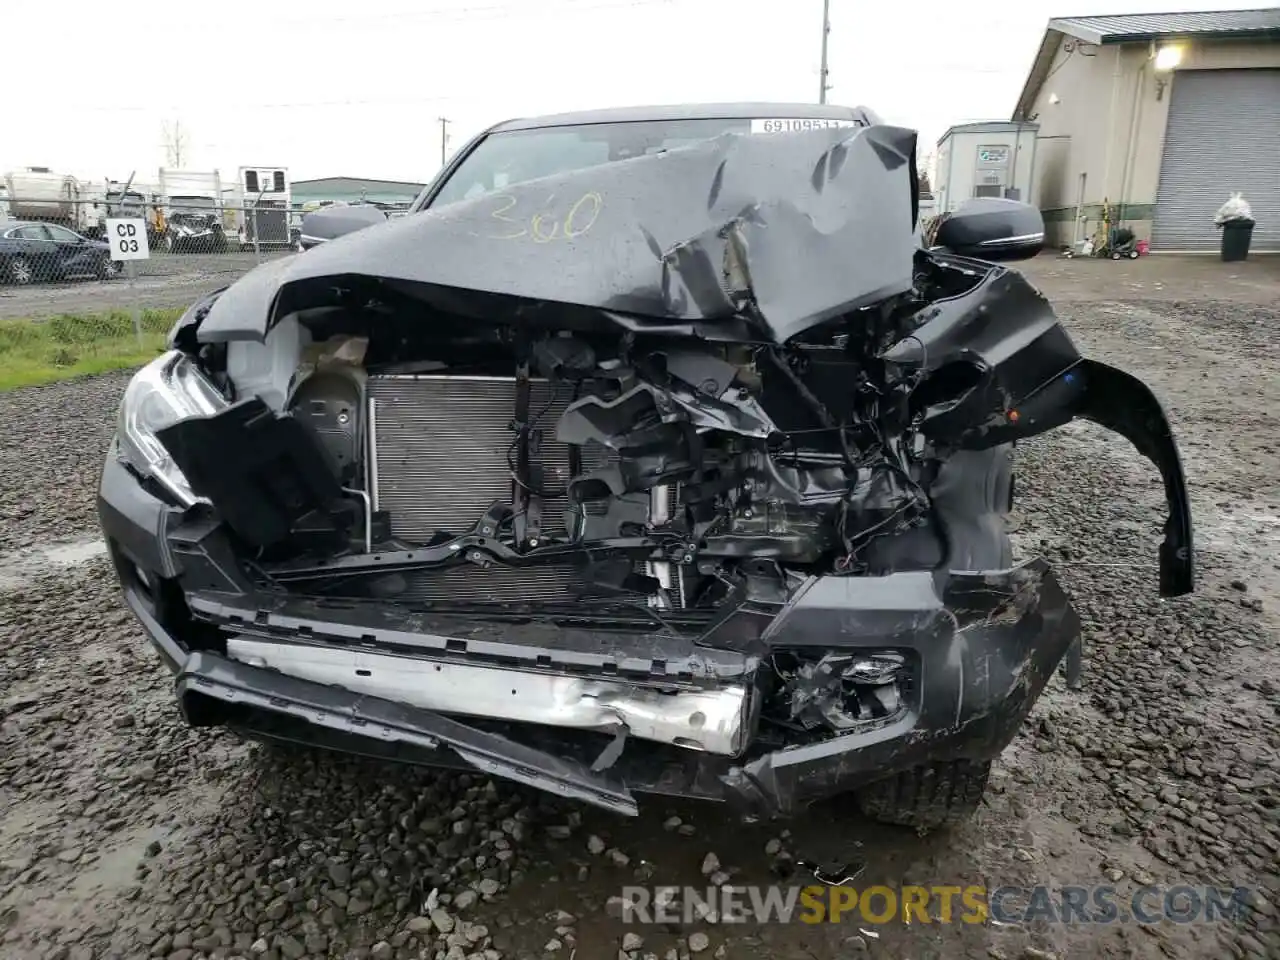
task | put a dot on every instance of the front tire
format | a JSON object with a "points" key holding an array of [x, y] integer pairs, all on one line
{"points": [[109, 269], [929, 797]]}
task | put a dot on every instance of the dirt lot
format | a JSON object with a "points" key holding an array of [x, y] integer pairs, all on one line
{"points": [[124, 834], [166, 280]]}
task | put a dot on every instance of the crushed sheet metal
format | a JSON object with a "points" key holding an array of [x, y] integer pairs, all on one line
{"points": [[218, 678], [804, 226], [610, 421]]}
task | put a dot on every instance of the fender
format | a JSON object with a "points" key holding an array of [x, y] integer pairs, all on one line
{"points": [[1123, 404], [1000, 367]]}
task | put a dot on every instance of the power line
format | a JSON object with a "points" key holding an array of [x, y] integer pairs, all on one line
{"points": [[248, 105], [493, 11]]}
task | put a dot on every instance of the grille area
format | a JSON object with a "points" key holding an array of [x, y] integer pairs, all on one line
{"points": [[439, 451], [497, 584]]}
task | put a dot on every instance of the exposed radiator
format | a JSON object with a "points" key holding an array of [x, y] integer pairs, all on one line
{"points": [[438, 448]]}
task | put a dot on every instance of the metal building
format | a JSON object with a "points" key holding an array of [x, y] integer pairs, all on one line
{"points": [[993, 158], [354, 190], [1154, 120]]}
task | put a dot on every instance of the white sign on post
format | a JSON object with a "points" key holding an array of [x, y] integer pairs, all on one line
{"points": [[128, 239]]}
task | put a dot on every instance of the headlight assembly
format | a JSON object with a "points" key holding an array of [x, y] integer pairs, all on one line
{"points": [[168, 389]]}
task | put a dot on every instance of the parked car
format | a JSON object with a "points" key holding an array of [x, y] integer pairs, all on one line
{"points": [[193, 224], [646, 455], [32, 251]]}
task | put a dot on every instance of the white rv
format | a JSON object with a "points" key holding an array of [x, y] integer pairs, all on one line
{"points": [[37, 193]]}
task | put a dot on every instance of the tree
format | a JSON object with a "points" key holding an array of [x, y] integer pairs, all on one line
{"points": [[175, 145], [924, 164]]}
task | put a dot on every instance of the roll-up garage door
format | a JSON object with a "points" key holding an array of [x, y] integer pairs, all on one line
{"points": [[1223, 135]]}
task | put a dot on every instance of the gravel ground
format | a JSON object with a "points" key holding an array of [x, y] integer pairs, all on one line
{"points": [[127, 835], [55, 437], [166, 280]]}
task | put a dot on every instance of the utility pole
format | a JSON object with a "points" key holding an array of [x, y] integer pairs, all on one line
{"points": [[444, 138], [823, 86]]}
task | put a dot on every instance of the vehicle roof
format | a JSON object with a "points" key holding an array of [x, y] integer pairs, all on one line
{"points": [[7, 225], [689, 111]]}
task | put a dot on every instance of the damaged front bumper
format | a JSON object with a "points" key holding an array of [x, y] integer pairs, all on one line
{"points": [[711, 720], [587, 721]]}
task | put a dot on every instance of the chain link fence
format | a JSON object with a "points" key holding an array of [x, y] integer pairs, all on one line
{"points": [[67, 308], [65, 241]]}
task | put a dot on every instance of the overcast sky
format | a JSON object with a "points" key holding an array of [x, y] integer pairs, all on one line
{"points": [[335, 87]]}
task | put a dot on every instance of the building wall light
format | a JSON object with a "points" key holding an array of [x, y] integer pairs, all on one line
{"points": [[1167, 58]]}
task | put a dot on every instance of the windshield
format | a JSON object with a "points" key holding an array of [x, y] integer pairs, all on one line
{"points": [[507, 158]]}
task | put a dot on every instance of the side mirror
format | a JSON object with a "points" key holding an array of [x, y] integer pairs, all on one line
{"points": [[988, 228], [329, 223]]}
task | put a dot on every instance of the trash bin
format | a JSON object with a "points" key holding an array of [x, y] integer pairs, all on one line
{"points": [[1236, 235]]}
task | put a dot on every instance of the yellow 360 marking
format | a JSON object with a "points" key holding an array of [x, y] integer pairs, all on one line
{"points": [[500, 214], [536, 229], [583, 214], [548, 224]]}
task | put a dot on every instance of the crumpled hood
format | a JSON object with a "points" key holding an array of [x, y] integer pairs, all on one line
{"points": [[193, 222], [802, 226]]}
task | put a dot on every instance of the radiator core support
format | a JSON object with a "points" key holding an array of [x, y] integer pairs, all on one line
{"points": [[440, 452]]}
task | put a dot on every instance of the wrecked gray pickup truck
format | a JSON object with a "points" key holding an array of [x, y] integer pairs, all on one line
{"points": [[651, 453]]}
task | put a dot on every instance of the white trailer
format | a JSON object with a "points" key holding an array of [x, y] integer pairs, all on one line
{"points": [[201, 188], [37, 193], [994, 158], [263, 198]]}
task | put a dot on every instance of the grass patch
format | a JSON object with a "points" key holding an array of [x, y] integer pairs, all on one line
{"points": [[77, 345]]}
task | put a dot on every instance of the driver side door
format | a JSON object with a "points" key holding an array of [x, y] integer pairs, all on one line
{"points": [[76, 255]]}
